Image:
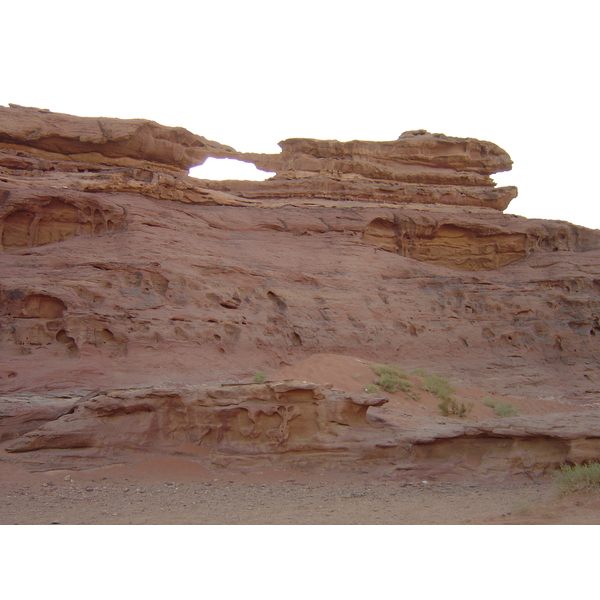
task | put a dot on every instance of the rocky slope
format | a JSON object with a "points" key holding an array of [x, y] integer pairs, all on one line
{"points": [[120, 270]]}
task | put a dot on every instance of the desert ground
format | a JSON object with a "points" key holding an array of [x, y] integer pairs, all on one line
{"points": [[176, 492], [153, 489]]}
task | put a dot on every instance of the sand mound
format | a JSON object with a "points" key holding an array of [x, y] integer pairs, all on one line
{"points": [[353, 375]]}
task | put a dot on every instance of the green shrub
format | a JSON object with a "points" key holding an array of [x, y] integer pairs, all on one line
{"points": [[506, 410], [502, 410], [438, 386], [372, 388], [260, 377], [577, 478], [388, 382], [405, 385], [451, 407], [414, 396], [420, 373], [390, 370], [441, 388], [390, 378]]}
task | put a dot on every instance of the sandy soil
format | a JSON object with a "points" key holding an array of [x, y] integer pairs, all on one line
{"points": [[175, 491], [354, 374]]}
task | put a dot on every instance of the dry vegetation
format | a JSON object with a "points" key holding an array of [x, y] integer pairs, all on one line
{"points": [[578, 478]]}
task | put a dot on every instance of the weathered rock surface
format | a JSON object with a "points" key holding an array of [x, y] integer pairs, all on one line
{"points": [[21, 414], [119, 270], [304, 424], [276, 417], [103, 141], [419, 167]]}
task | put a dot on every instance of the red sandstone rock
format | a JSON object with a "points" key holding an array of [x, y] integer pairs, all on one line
{"points": [[118, 269], [278, 417], [302, 424], [21, 414], [102, 140], [418, 168]]}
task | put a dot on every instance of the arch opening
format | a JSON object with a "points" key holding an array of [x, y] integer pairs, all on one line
{"points": [[222, 169]]}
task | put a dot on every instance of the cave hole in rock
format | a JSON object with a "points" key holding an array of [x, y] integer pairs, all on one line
{"points": [[40, 306], [222, 169]]}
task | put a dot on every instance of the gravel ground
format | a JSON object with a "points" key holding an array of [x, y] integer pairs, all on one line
{"points": [[76, 499]]}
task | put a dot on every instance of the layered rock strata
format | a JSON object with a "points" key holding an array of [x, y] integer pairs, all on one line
{"points": [[418, 168], [293, 423], [277, 417], [119, 269], [101, 141]]}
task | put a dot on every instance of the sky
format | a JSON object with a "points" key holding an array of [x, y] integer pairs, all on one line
{"points": [[522, 74]]}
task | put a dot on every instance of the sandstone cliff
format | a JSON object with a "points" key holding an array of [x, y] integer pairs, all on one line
{"points": [[118, 269]]}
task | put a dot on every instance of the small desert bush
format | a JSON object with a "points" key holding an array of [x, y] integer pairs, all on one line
{"points": [[452, 407], [260, 377], [506, 410], [405, 385], [441, 388], [390, 370], [577, 478], [388, 382], [420, 373], [438, 386], [390, 378], [371, 388]]}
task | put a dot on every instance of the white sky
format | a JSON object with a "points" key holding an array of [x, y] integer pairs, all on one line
{"points": [[522, 74]]}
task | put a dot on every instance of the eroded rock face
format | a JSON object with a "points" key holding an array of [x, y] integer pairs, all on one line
{"points": [[472, 246], [290, 423], [21, 414], [96, 141], [119, 269], [31, 222], [418, 168], [271, 418]]}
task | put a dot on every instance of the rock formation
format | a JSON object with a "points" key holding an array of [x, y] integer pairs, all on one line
{"points": [[419, 167], [296, 423], [120, 270], [270, 418]]}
